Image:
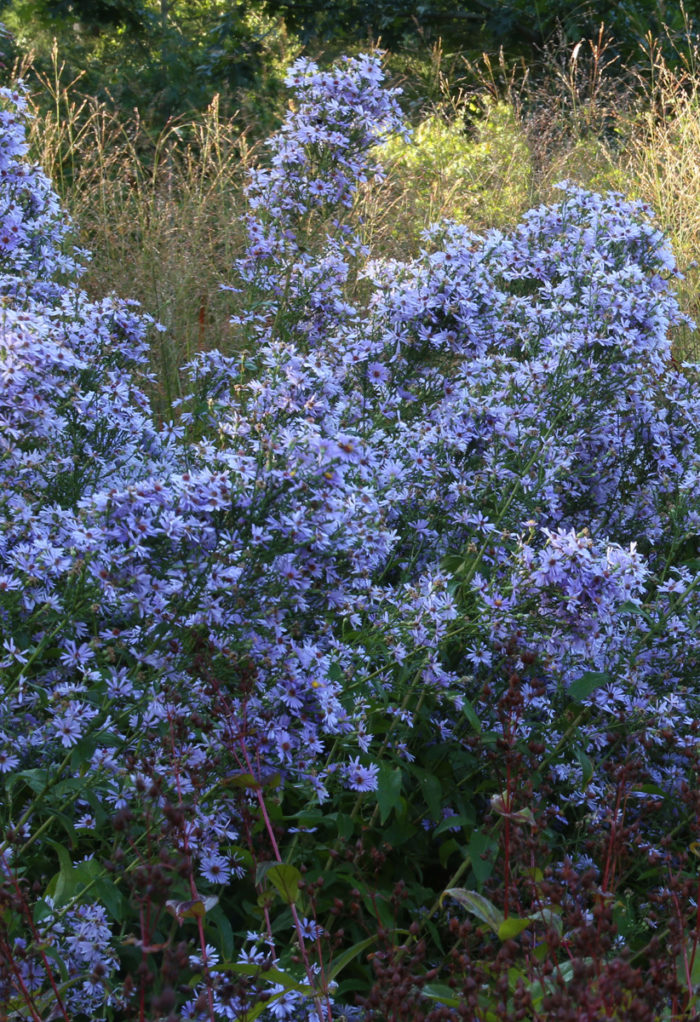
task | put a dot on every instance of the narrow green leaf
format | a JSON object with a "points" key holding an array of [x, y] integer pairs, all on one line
{"points": [[447, 849], [477, 904], [335, 672], [266, 976], [65, 880], [586, 767], [87, 872], [650, 789], [348, 956], [218, 918], [346, 826], [400, 830], [388, 791], [499, 803], [66, 822], [83, 751], [35, 778], [471, 714], [452, 563], [695, 970], [262, 869]]}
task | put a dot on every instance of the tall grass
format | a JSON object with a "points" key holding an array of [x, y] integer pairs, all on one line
{"points": [[160, 214], [662, 161]]}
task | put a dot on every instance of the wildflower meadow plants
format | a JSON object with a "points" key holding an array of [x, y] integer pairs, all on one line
{"points": [[369, 686]]}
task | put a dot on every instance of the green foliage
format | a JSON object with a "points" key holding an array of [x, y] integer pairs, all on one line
{"points": [[95, 15], [482, 177], [520, 26], [163, 58]]}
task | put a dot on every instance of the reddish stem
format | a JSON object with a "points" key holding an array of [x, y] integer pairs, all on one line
{"points": [[295, 916], [506, 843], [193, 886], [36, 938]]}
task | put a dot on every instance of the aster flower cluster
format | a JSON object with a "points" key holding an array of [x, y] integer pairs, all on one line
{"points": [[33, 225], [477, 464]]}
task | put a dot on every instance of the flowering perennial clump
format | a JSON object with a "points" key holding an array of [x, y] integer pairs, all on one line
{"points": [[436, 529]]}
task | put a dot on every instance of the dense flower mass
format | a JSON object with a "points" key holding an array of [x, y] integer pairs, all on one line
{"points": [[477, 465]]}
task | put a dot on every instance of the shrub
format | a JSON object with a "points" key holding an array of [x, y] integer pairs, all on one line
{"points": [[483, 180], [406, 597]]}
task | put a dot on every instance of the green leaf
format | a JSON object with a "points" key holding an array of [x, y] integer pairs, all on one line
{"points": [[87, 872], [309, 817], [482, 851], [550, 916], [452, 563], [512, 926], [442, 994], [399, 831], [471, 715], [66, 822], [449, 822], [196, 908], [63, 890], [448, 848], [41, 909], [586, 767], [335, 672], [695, 968], [477, 904], [431, 789], [220, 920], [634, 610], [498, 805], [111, 897], [262, 868], [266, 976], [83, 751], [650, 789], [432, 929], [241, 780], [71, 880], [584, 686], [91, 798], [348, 956], [285, 879], [35, 778], [346, 826], [388, 791]]}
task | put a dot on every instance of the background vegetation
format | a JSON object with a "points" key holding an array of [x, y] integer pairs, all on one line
{"points": [[156, 187]]}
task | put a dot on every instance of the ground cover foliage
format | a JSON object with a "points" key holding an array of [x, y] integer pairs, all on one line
{"points": [[368, 687]]}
